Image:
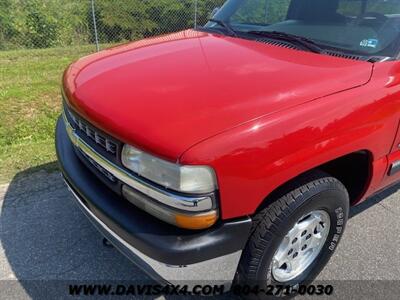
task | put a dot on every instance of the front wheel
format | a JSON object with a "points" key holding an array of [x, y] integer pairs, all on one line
{"points": [[294, 237]]}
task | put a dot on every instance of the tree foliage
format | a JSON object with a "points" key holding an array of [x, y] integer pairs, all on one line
{"points": [[51, 23], [42, 23]]}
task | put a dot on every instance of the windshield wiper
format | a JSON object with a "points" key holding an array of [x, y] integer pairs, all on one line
{"points": [[225, 25], [292, 38]]}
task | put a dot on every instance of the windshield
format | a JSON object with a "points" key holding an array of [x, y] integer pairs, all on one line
{"points": [[365, 27]]}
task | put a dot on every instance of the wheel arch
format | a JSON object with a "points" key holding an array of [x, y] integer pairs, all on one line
{"points": [[353, 170]]}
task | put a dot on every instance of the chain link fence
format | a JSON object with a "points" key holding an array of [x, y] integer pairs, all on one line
{"points": [[32, 24]]}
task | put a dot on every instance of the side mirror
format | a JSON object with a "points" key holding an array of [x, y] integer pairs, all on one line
{"points": [[215, 11]]}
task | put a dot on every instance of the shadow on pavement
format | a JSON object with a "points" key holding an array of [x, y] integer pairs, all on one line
{"points": [[377, 198], [48, 242]]}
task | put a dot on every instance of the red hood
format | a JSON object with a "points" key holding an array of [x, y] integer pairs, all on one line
{"points": [[166, 94]]}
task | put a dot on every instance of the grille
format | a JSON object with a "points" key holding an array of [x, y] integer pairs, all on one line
{"points": [[94, 134], [99, 168]]}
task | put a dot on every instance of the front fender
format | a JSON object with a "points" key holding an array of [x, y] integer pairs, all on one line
{"points": [[255, 158]]}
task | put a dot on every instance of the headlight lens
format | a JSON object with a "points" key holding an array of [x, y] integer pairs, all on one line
{"points": [[187, 179]]}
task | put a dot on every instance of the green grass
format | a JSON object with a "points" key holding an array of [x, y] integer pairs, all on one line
{"points": [[29, 106]]}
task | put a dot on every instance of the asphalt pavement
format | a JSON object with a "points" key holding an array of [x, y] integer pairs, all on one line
{"points": [[46, 241]]}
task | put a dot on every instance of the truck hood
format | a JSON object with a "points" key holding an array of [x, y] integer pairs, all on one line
{"points": [[166, 94]]}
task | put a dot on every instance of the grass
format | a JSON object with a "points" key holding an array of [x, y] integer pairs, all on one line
{"points": [[29, 106]]}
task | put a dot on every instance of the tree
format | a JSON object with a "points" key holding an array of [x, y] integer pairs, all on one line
{"points": [[6, 23], [41, 28], [128, 20]]}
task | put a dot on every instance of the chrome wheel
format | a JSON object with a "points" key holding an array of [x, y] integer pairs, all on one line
{"points": [[301, 246]]}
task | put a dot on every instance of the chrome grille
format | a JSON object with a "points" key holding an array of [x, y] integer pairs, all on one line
{"points": [[94, 134], [103, 171]]}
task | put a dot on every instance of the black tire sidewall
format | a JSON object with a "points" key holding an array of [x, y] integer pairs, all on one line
{"points": [[335, 202]]}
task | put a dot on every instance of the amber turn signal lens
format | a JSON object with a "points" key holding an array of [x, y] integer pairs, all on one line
{"points": [[197, 221], [171, 216]]}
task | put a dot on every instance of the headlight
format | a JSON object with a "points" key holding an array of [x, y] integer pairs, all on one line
{"points": [[187, 179]]}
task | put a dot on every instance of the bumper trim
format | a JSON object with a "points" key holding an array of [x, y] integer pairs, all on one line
{"points": [[220, 270]]}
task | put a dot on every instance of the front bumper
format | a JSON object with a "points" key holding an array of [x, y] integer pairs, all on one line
{"points": [[165, 252]]}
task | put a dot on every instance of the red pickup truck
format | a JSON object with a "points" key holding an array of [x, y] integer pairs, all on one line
{"points": [[233, 151]]}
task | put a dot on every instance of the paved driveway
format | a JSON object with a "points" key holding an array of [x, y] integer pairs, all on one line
{"points": [[44, 236]]}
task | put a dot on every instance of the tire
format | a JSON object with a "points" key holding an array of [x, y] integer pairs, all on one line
{"points": [[316, 192]]}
